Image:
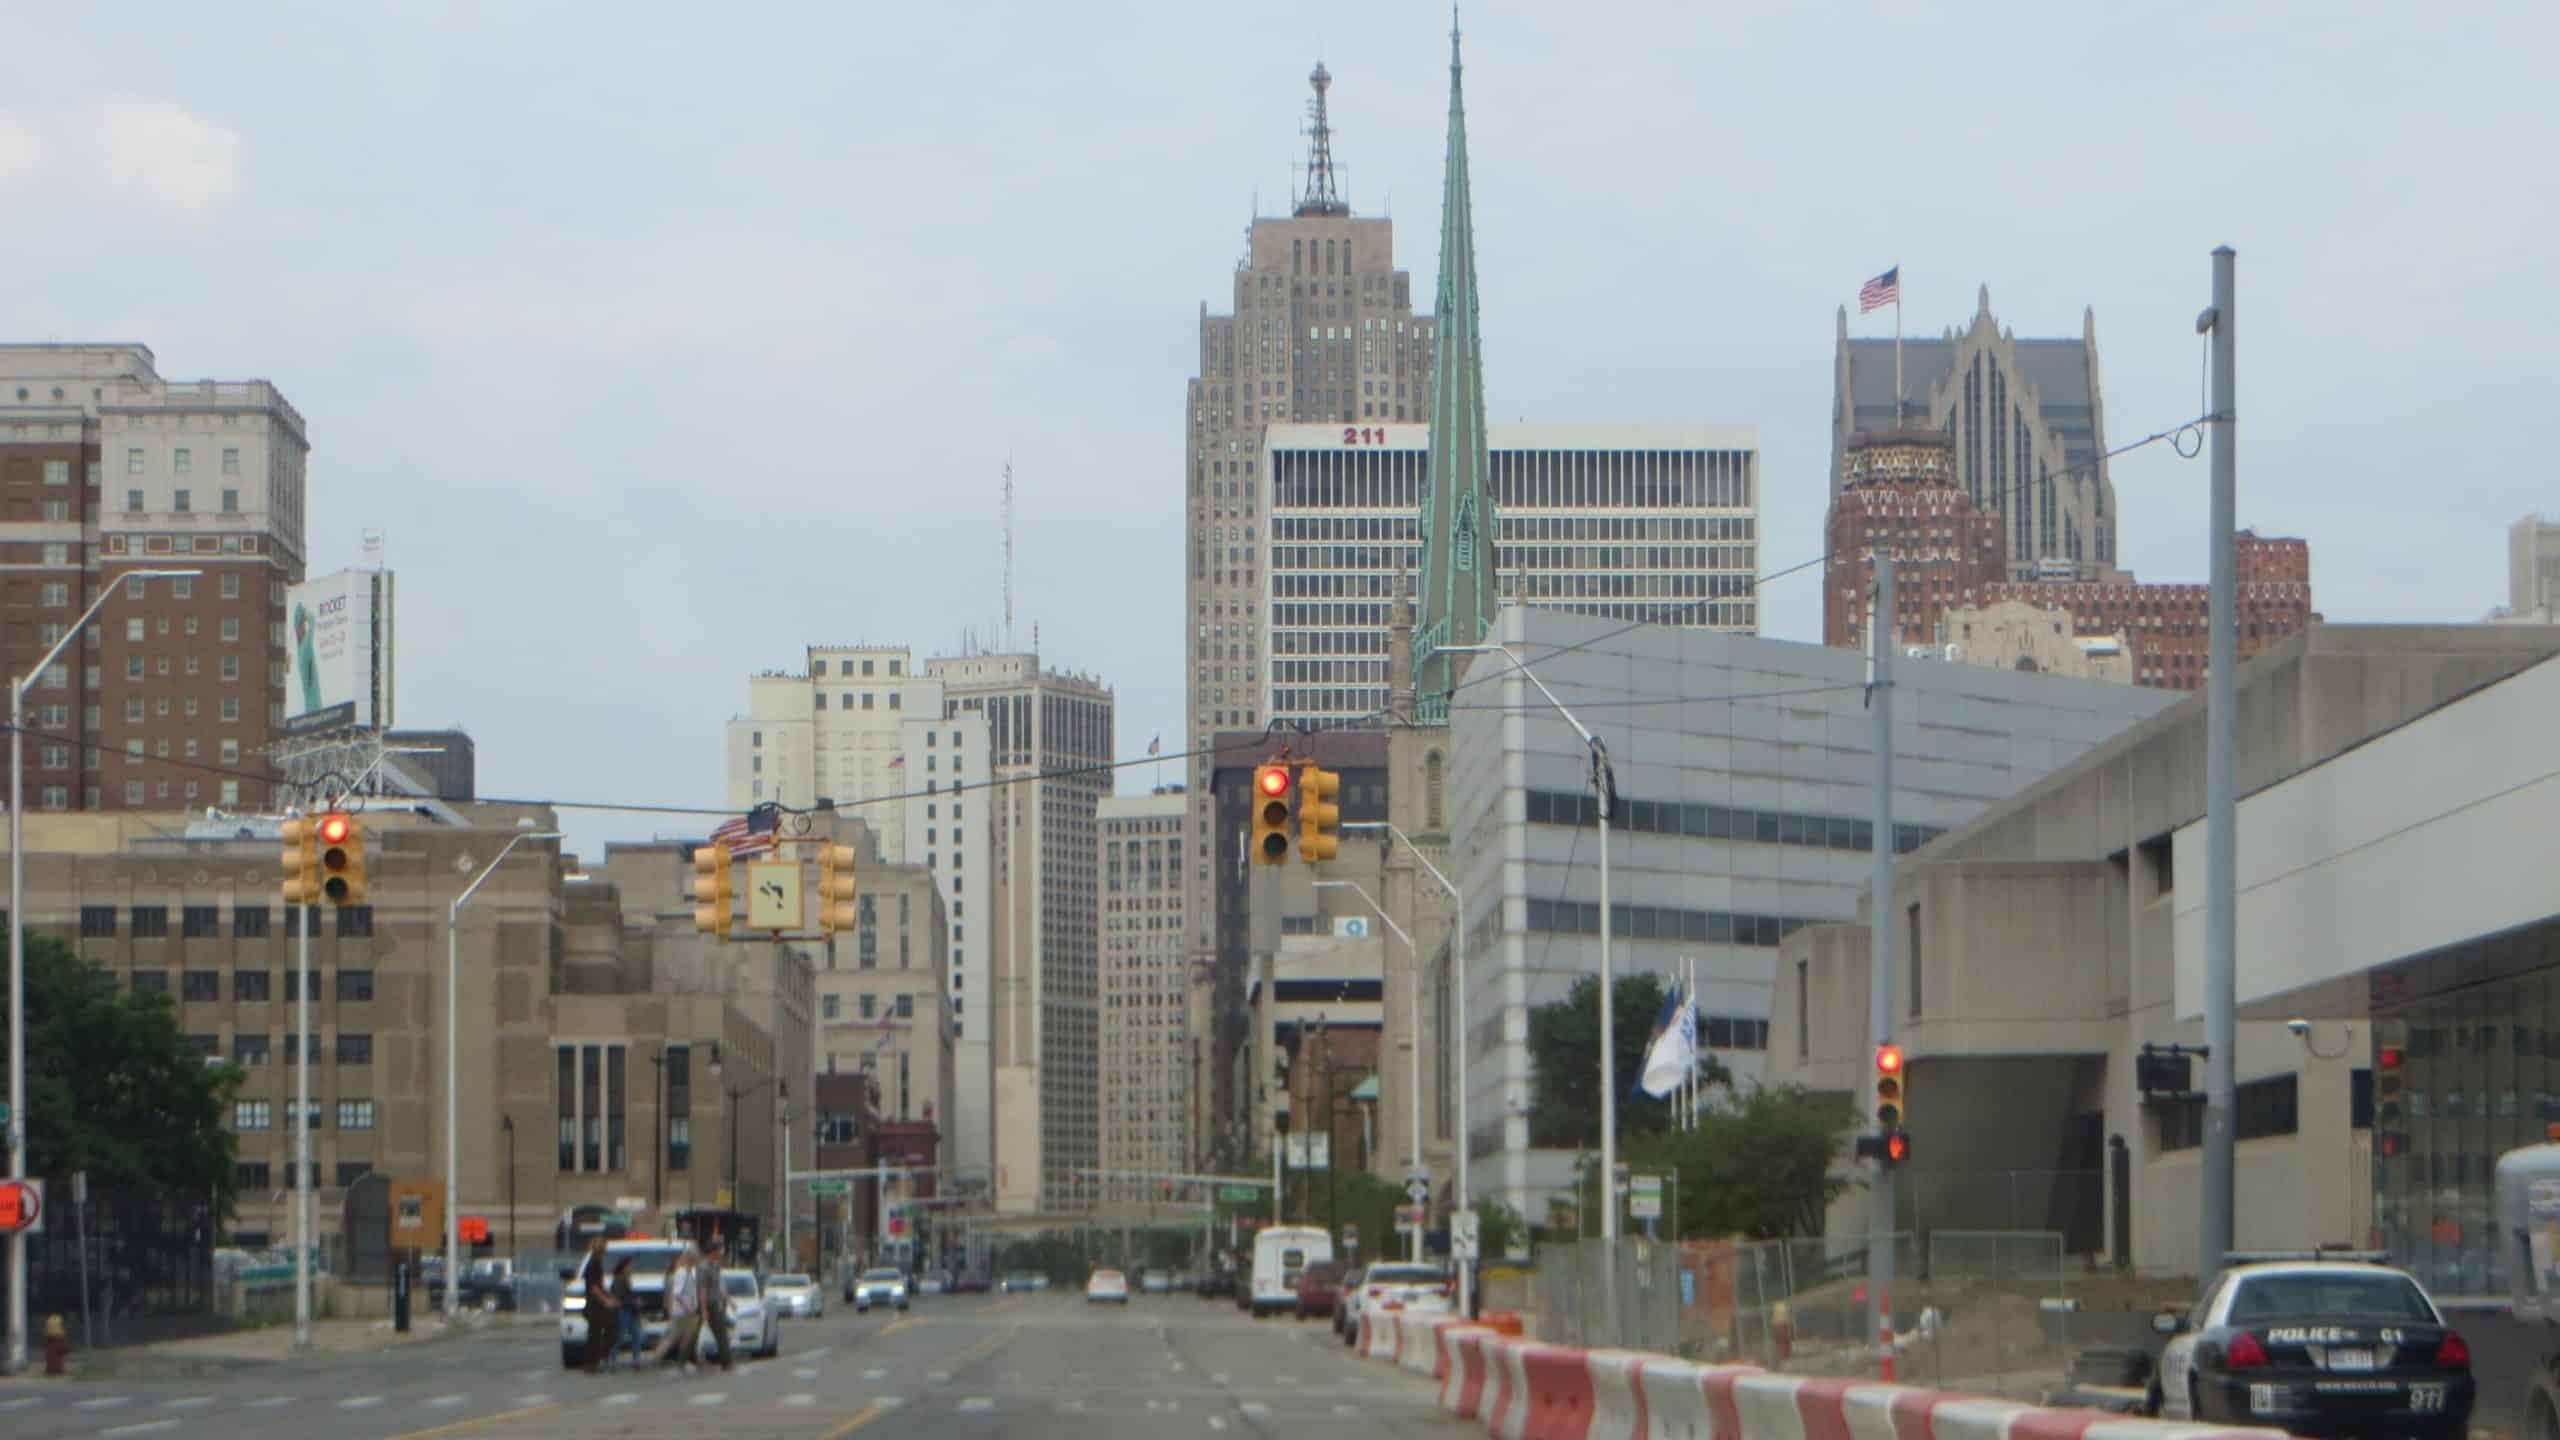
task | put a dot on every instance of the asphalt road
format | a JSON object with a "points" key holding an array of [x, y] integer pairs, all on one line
{"points": [[970, 1368]]}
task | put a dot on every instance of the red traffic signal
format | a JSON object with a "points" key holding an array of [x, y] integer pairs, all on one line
{"points": [[2390, 1057], [474, 1229], [20, 1206], [333, 830], [1897, 1148], [1274, 780], [1888, 1059]]}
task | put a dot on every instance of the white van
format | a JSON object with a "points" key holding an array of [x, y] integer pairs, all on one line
{"points": [[1280, 1254]]}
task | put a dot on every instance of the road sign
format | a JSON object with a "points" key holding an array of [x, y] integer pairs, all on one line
{"points": [[1417, 1190], [826, 1187], [1413, 1215], [1350, 1236], [1463, 1235], [773, 895], [1240, 1194], [1644, 1197], [21, 1206]]}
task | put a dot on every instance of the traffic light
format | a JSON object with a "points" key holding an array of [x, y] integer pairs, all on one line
{"points": [[1270, 814], [341, 859], [1889, 1107], [2389, 1103], [835, 889], [711, 890], [1319, 819], [473, 1229], [301, 862]]}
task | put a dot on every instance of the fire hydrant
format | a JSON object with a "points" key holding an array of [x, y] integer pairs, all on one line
{"points": [[57, 1345], [1782, 1330]]}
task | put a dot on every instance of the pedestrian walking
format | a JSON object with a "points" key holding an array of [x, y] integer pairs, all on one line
{"points": [[604, 1328], [684, 1309], [626, 1302], [715, 1304]]}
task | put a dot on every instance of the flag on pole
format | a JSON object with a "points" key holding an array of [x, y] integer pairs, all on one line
{"points": [[750, 835], [1885, 289], [1156, 746], [1674, 1051]]}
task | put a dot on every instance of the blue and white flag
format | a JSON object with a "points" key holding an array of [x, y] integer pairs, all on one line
{"points": [[1674, 1051]]}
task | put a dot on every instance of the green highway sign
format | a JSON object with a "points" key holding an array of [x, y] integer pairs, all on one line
{"points": [[826, 1187], [1240, 1194]]}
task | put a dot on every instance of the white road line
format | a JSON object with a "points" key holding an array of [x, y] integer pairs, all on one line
{"points": [[1346, 1409], [814, 1354], [23, 1402], [716, 1397], [359, 1402], [1217, 1422], [191, 1402], [875, 1374], [442, 1401], [1217, 1379], [807, 1373], [145, 1428], [1255, 1408], [799, 1402], [976, 1405], [1160, 1406], [624, 1398], [103, 1402], [527, 1402]]}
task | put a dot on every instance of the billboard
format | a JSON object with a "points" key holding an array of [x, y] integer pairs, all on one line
{"points": [[338, 652]]}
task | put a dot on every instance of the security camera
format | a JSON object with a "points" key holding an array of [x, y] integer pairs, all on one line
{"points": [[2298, 1027]]}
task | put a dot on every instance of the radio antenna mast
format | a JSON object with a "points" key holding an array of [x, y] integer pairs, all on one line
{"points": [[1008, 552]]}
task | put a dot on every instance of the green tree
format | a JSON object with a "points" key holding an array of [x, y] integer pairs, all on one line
{"points": [[1760, 1168], [1564, 1050], [1497, 1226], [114, 1088]]}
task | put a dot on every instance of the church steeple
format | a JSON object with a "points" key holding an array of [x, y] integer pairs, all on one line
{"points": [[1459, 584]]}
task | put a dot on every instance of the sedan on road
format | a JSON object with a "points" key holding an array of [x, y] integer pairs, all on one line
{"points": [[1108, 1287], [796, 1295], [2317, 1346], [885, 1286], [753, 1327]]}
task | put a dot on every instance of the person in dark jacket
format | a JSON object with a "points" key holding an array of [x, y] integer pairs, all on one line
{"points": [[715, 1304], [604, 1327], [626, 1308]]}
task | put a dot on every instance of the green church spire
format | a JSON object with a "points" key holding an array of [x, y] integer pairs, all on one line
{"points": [[1458, 577]]}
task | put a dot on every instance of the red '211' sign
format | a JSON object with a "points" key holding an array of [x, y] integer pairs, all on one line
{"points": [[1364, 434]]}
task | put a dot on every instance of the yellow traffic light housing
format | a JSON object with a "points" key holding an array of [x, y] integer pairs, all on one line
{"points": [[1890, 1106], [711, 890], [1271, 814], [342, 874], [836, 909], [301, 861], [1319, 818]]}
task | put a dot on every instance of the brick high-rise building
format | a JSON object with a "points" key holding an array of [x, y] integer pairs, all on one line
{"points": [[1147, 1050], [105, 467], [1900, 492], [2167, 623]]}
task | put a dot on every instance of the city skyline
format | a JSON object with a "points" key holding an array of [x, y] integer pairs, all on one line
{"points": [[569, 349]]}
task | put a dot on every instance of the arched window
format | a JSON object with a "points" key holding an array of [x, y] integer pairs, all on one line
{"points": [[1431, 790]]}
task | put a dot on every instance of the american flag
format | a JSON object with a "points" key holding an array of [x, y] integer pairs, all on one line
{"points": [[748, 836], [1885, 289]]}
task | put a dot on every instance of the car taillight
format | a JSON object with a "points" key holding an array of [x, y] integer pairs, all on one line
{"points": [[2245, 1352], [2452, 1354]]}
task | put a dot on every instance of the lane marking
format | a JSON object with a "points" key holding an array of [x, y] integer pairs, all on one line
{"points": [[190, 1402], [1217, 1379], [527, 1402], [1255, 1408], [1217, 1422], [814, 1354], [1346, 1409], [359, 1402], [875, 1374], [145, 1428], [23, 1402], [860, 1418], [810, 1373], [938, 1376], [799, 1402], [443, 1402], [976, 1405], [483, 1422], [104, 1402], [716, 1397], [624, 1398]]}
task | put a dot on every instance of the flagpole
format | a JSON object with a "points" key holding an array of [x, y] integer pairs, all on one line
{"points": [[1897, 345]]}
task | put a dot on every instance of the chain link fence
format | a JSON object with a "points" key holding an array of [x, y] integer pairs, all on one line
{"points": [[1985, 1312]]}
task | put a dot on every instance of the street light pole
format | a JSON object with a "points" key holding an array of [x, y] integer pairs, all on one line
{"points": [[18, 688], [1458, 1060], [453, 1069], [1413, 976], [1604, 785], [507, 1123]]}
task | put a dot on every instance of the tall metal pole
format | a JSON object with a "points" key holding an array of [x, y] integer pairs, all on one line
{"points": [[2221, 925], [1602, 787], [1883, 634], [453, 1066], [17, 1014], [303, 1230]]}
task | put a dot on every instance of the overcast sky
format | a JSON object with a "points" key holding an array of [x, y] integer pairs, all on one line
{"points": [[665, 339]]}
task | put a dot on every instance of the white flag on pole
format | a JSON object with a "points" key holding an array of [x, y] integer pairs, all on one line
{"points": [[1674, 1051]]}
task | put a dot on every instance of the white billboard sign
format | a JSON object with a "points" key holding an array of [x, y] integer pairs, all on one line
{"points": [[338, 652]]}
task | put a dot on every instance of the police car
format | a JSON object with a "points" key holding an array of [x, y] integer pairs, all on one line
{"points": [[2321, 1344]]}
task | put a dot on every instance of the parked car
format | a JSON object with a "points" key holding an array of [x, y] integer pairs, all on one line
{"points": [[796, 1295], [1346, 1310], [1154, 1282], [1319, 1288], [1107, 1287], [971, 1282], [1426, 1288], [1039, 1282], [884, 1286], [487, 1285], [930, 1285], [1018, 1282], [1218, 1284]]}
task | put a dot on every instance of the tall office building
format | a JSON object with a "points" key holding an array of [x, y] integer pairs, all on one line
{"points": [[1046, 759], [1900, 496], [2026, 422], [862, 727], [106, 467], [2533, 571], [1147, 1034], [1619, 521], [1320, 328]]}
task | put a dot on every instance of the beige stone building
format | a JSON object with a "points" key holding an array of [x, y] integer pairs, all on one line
{"points": [[1147, 1051], [607, 1057], [2016, 635]]}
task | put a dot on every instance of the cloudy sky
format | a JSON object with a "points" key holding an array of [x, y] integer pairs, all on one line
{"points": [[664, 339]]}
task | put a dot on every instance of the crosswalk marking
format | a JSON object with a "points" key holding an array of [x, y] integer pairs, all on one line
{"points": [[976, 1405], [527, 1402], [716, 1397], [104, 1402], [444, 1401], [799, 1402], [359, 1402], [23, 1402], [625, 1398], [190, 1402], [144, 1428], [1254, 1408]]}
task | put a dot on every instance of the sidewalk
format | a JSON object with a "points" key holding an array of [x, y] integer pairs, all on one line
{"points": [[271, 1344]]}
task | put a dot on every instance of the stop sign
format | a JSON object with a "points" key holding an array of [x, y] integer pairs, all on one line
{"points": [[20, 1204]]}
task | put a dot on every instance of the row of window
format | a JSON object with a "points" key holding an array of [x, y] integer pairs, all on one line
{"points": [[251, 985], [831, 1007], [256, 1175], [1723, 822], [253, 1051], [260, 1115], [204, 922], [1666, 922]]}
